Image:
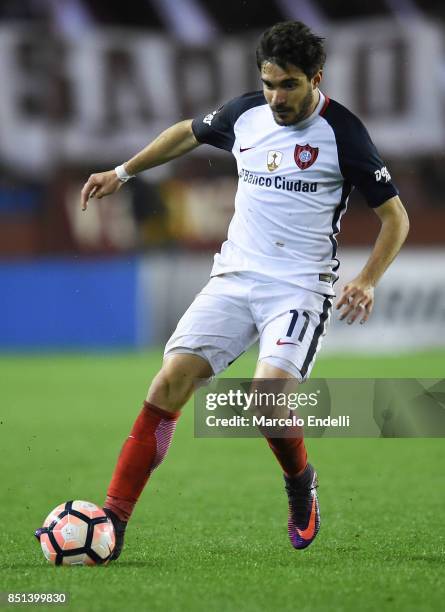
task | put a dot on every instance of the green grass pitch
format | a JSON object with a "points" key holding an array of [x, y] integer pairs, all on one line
{"points": [[210, 530]]}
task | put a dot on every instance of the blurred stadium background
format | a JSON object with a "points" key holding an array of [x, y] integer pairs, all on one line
{"points": [[86, 83]]}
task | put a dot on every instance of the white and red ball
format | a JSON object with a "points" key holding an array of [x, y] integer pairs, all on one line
{"points": [[77, 533]]}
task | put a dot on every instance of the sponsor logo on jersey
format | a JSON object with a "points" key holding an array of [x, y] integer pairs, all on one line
{"points": [[305, 155], [382, 175], [242, 149], [277, 182], [273, 160]]}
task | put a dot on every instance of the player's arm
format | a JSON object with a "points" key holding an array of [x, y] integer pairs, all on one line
{"points": [[173, 142], [357, 297]]}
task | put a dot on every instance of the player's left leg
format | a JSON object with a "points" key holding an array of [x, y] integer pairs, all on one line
{"points": [[289, 450], [299, 475], [291, 323]]}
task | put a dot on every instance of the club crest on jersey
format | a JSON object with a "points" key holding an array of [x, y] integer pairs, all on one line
{"points": [[273, 160], [305, 155]]}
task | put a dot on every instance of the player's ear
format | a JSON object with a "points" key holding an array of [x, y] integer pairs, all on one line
{"points": [[316, 79]]}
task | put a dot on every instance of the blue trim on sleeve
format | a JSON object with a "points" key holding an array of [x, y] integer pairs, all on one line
{"points": [[217, 128], [360, 162]]}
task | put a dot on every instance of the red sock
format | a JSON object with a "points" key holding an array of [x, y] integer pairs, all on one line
{"points": [[290, 451], [142, 452]]}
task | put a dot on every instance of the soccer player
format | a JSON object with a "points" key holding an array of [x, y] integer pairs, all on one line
{"points": [[299, 155]]}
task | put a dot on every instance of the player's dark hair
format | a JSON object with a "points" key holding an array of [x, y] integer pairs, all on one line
{"points": [[292, 42]]}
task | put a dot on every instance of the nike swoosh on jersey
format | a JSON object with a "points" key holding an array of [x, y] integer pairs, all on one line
{"points": [[280, 342], [308, 533], [241, 150]]}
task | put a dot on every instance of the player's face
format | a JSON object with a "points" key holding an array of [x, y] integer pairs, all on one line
{"points": [[290, 94]]}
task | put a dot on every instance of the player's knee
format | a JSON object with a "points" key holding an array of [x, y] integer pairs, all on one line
{"points": [[171, 388]]}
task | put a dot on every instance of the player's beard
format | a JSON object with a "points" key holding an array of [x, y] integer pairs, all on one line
{"points": [[303, 112]]}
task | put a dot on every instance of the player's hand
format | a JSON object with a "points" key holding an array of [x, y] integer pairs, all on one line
{"points": [[98, 186], [356, 301]]}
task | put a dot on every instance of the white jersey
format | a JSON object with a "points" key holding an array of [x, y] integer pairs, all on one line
{"points": [[294, 185]]}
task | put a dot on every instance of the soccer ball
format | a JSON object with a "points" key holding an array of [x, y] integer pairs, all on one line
{"points": [[77, 533]]}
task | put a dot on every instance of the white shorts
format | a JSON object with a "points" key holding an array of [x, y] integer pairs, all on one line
{"points": [[234, 310]]}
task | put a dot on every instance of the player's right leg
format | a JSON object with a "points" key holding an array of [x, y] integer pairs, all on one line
{"points": [[213, 332], [150, 437]]}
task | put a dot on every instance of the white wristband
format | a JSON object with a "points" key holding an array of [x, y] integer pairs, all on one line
{"points": [[122, 174]]}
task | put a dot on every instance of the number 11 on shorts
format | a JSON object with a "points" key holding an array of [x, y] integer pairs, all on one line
{"points": [[293, 322]]}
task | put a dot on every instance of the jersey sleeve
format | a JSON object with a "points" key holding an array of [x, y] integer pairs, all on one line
{"points": [[361, 165], [360, 162], [216, 128]]}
